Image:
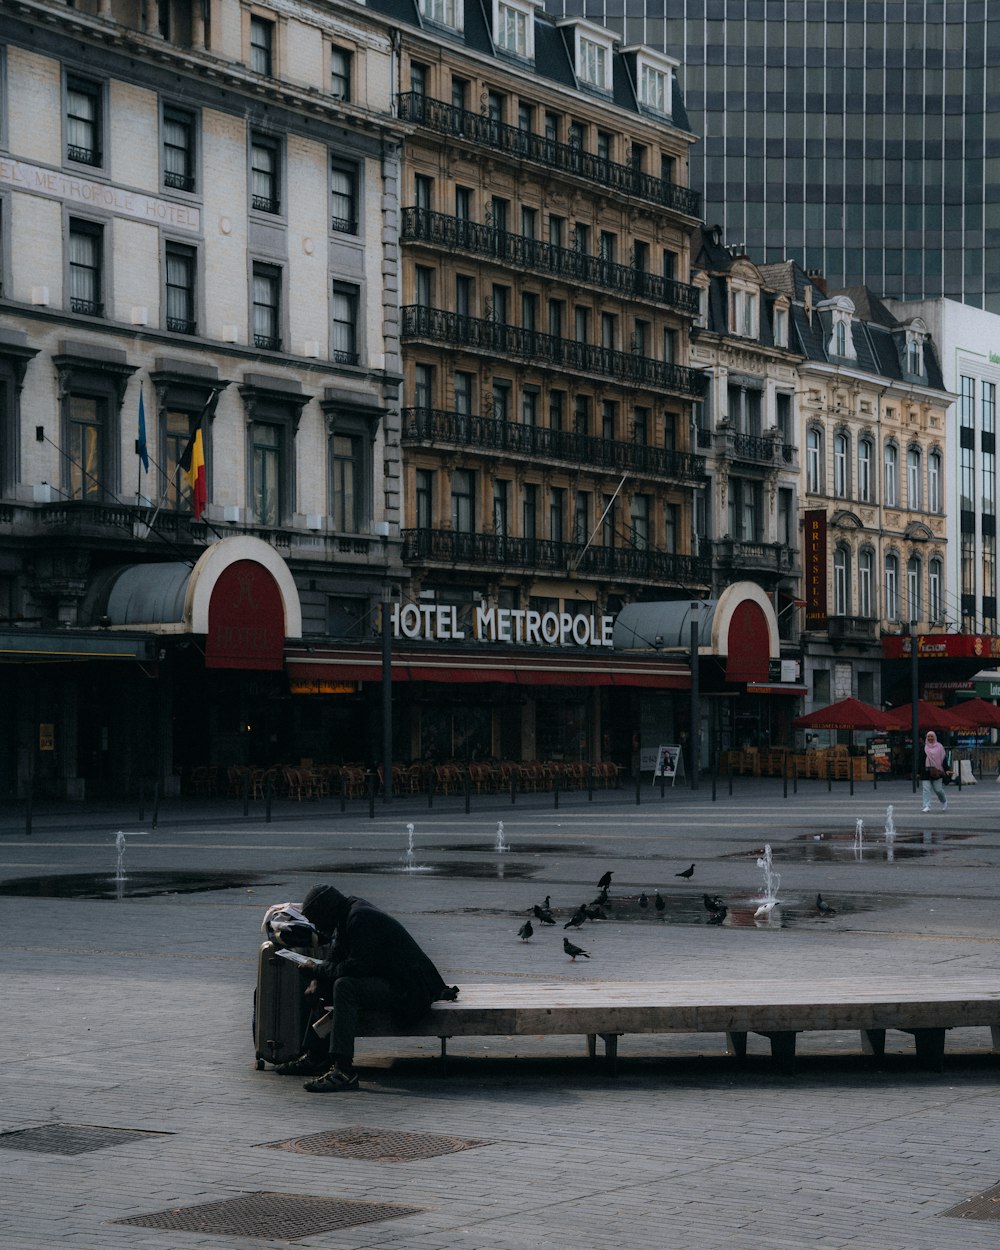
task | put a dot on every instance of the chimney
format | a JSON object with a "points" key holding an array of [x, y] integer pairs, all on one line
{"points": [[816, 275]]}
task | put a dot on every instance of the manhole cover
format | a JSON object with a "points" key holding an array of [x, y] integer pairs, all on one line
{"points": [[984, 1206], [280, 1216], [389, 1146], [70, 1139]]}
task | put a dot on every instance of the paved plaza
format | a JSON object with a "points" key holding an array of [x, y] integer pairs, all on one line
{"points": [[134, 1013]]}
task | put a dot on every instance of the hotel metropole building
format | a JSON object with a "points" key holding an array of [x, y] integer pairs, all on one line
{"points": [[192, 200], [550, 473]]}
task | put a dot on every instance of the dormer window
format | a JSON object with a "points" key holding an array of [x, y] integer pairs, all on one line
{"points": [[743, 313], [780, 326], [444, 12], [514, 28], [916, 333], [654, 76], [593, 53], [841, 341]]}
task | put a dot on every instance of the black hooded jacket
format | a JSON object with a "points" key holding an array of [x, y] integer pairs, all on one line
{"points": [[370, 943]]}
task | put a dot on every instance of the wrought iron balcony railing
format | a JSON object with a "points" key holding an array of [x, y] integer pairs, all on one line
{"points": [[544, 556], [498, 338], [490, 434], [852, 628], [177, 181], [755, 448], [81, 155], [181, 325], [422, 225], [90, 307], [523, 145], [756, 556]]}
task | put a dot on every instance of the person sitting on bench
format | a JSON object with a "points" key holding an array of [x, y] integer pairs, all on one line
{"points": [[375, 965]]}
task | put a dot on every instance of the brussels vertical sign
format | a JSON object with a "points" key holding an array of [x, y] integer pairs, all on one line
{"points": [[815, 568]]}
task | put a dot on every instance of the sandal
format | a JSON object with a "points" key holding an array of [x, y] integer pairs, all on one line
{"points": [[305, 1065], [332, 1082]]}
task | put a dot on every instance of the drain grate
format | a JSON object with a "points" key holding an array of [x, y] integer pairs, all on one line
{"points": [[267, 1215], [984, 1206], [70, 1139], [386, 1145]]}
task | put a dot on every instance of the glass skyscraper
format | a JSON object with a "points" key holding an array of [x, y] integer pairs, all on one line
{"points": [[858, 137]]}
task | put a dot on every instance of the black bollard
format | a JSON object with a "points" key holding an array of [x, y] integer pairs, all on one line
{"points": [[638, 787], [29, 797], [156, 803], [268, 796], [370, 779], [874, 775], [663, 784], [590, 783], [730, 781], [343, 792], [513, 788], [850, 775], [829, 775], [715, 778], [468, 794], [555, 793], [431, 778], [795, 776], [784, 781]]}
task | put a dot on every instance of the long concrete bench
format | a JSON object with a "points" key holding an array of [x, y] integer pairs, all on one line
{"points": [[778, 1010]]}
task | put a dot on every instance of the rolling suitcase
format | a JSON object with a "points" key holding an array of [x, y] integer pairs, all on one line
{"points": [[282, 1013]]}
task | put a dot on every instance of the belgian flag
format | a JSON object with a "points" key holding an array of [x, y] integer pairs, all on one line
{"points": [[192, 467]]}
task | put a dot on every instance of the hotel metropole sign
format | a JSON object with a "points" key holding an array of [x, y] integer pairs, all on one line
{"points": [[447, 623]]}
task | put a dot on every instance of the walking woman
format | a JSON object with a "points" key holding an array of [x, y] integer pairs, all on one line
{"points": [[933, 771]]}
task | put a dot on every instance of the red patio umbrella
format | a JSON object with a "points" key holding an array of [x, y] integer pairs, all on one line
{"points": [[978, 714], [845, 714], [929, 716]]}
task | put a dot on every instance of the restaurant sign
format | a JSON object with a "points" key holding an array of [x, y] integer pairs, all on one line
{"points": [[446, 622]]}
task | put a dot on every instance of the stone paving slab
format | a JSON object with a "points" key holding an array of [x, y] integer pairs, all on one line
{"points": [[136, 1014]]}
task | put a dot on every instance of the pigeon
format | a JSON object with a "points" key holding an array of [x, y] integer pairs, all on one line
{"points": [[712, 902], [595, 913], [718, 916], [572, 951], [601, 900], [577, 918], [605, 882], [543, 914], [643, 900], [824, 909], [525, 931], [658, 902], [548, 902], [688, 873]]}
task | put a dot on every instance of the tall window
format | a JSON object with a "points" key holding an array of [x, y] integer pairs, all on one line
{"points": [[581, 517], [344, 310], [814, 462], [641, 511], [347, 463], [418, 78], [653, 89], [464, 289], [890, 474], [87, 447], [935, 602], [176, 427], [181, 270], [557, 409], [967, 479], [914, 595], [266, 307], [423, 386], [967, 402], [512, 30], [866, 567], [913, 475], [344, 198], [423, 286], [841, 452], [529, 511], [464, 389], [609, 520], [594, 63], [86, 263], [83, 121], [261, 45], [501, 504], [989, 407], [463, 203], [424, 498], [892, 588], [840, 339], [423, 190], [178, 149], [265, 174], [865, 492], [340, 73], [463, 501], [672, 525], [529, 407], [267, 445], [557, 514], [842, 582]]}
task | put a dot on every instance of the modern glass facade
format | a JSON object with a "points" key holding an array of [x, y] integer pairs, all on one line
{"points": [[858, 137]]}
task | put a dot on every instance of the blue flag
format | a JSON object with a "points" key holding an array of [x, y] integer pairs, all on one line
{"points": [[140, 443]]}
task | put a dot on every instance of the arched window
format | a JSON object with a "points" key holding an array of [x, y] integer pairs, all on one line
{"points": [[866, 487], [892, 588], [935, 591], [913, 479], [934, 501], [842, 581], [866, 566], [814, 461], [841, 452], [914, 589], [840, 338], [890, 484]]}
